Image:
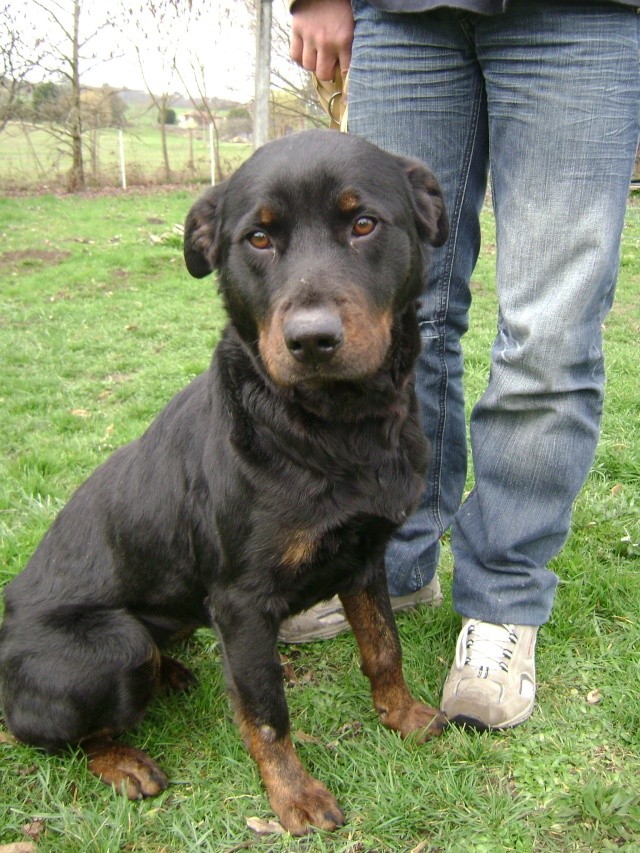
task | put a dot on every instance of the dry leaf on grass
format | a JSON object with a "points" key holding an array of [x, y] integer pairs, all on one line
{"points": [[264, 827], [303, 737], [34, 829], [348, 730], [18, 847]]}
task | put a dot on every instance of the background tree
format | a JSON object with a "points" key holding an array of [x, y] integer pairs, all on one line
{"points": [[168, 117], [67, 53], [301, 100], [156, 30], [193, 73], [20, 52], [294, 102], [101, 107]]}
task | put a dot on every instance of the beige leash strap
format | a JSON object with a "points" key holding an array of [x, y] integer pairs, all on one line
{"points": [[332, 96]]}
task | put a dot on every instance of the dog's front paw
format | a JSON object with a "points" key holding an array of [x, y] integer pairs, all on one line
{"points": [[128, 769], [419, 720], [302, 803]]}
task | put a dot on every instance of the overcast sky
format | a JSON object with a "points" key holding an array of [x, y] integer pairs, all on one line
{"points": [[224, 43]]}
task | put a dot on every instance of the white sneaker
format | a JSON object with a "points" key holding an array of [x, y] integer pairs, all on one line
{"points": [[492, 683]]}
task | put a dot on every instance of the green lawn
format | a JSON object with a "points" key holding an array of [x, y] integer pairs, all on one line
{"points": [[99, 325]]}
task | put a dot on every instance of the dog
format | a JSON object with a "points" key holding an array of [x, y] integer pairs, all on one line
{"points": [[273, 481]]}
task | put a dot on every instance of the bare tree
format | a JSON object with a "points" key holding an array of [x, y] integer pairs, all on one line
{"points": [[287, 77], [20, 53], [191, 69], [161, 102], [157, 30], [67, 54], [197, 93], [301, 101]]}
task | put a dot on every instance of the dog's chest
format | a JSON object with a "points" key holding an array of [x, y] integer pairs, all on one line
{"points": [[314, 512]]}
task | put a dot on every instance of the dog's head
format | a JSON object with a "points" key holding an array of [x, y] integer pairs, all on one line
{"points": [[321, 241]]}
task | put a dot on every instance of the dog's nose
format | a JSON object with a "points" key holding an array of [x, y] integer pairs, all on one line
{"points": [[313, 335]]}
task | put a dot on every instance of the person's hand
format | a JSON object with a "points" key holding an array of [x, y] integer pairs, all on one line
{"points": [[321, 36]]}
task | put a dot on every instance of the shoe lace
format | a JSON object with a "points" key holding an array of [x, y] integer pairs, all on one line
{"points": [[486, 646]]}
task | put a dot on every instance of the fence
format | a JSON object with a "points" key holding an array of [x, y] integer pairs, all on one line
{"points": [[33, 157]]}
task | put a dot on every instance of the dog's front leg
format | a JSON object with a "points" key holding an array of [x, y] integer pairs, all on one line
{"points": [[374, 626], [255, 681]]}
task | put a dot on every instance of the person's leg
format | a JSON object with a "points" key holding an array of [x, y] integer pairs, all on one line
{"points": [[563, 94], [415, 88]]}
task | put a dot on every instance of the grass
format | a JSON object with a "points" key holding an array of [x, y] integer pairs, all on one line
{"points": [[99, 326]]}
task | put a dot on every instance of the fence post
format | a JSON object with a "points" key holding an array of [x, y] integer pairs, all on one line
{"points": [[211, 155], [123, 174], [263, 73]]}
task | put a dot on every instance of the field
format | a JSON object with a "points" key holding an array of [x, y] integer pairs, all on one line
{"points": [[31, 158], [99, 325]]}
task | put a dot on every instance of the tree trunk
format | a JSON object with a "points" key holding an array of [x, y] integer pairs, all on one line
{"points": [[216, 149], [163, 136], [75, 178]]}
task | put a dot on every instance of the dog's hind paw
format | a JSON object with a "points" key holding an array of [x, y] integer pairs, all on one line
{"points": [[128, 769], [175, 676]]}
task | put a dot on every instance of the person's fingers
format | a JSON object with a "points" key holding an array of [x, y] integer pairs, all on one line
{"points": [[309, 57], [326, 64], [344, 59], [297, 46], [321, 36]]}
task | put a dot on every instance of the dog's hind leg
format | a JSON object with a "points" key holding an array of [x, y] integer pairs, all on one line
{"points": [[128, 769], [370, 615], [79, 676], [174, 676]]}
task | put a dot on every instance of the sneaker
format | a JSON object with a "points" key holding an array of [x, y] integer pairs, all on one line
{"points": [[492, 683], [326, 619]]}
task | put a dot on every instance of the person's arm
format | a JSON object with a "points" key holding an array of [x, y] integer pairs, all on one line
{"points": [[321, 36]]}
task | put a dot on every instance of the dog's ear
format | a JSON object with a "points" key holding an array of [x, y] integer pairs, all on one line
{"points": [[431, 215], [202, 232]]}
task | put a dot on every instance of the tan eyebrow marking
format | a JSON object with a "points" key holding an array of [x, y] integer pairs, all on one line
{"points": [[348, 201], [266, 216]]}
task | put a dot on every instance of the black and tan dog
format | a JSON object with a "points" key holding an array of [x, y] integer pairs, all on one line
{"points": [[272, 481]]}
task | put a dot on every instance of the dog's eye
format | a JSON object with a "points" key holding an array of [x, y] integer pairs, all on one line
{"points": [[259, 240], [363, 225]]}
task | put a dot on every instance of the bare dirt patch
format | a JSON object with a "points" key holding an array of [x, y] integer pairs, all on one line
{"points": [[33, 257]]}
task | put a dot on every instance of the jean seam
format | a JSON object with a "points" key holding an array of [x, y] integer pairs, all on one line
{"points": [[443, 308]]}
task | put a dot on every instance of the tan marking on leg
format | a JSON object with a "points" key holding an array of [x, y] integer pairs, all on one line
{"points": [[299, 800], [381, 658]]}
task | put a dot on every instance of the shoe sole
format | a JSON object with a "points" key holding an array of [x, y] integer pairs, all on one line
{"points": [[480, 726]]}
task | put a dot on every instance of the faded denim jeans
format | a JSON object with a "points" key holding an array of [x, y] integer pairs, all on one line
{"points": [[546, 98]]}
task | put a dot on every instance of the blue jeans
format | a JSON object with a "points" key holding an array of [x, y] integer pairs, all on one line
{"points": [[545, 97]]}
